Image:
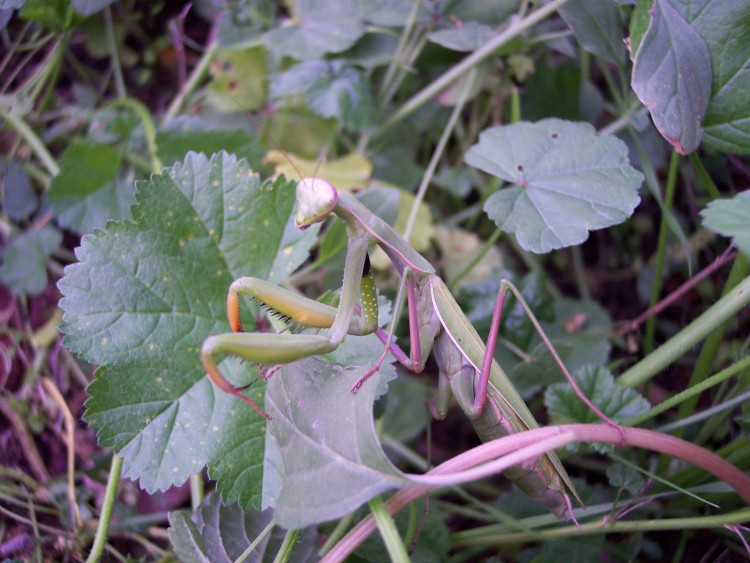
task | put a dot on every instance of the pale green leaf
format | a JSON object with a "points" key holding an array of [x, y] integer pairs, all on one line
{"points": [[24, 268], [333, 461], [731, 218], [325, 26], [565, 180]]}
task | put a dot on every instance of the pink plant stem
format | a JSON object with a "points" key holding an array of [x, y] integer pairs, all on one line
{"points": [[622, 436]]}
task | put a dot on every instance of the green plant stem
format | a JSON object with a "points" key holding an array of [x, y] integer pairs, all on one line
{"points": [[195, 77], [713, 191], [470, 266], [107, 506], [513, 30], [256, 542], [389, 533], [35, 143], [648, 344], [196, 490], [485, 536], [710, 348], [694, 390], [438, 153], [114, 55], [338, 532], [724, 309], [149, 129], [287, 546]]}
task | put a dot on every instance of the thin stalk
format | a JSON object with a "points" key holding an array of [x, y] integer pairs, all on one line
{"points": [[387, 527], [707, 413], [149, 129], [35, 143], [400, 49], [648, 344], [512, 31], [114, 55], [480, 255], [724, 309], [484, 537], [437, 155], [690, 392], [256, 542], [287, 546], [107, 506], [580, 273], [710, 348], [195, 77], [337, 533], [713, 191], [197, 492]]}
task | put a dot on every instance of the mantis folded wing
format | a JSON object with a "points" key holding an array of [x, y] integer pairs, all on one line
{"points": [[466, 365]]}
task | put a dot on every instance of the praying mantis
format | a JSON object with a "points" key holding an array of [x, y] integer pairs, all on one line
{"points": [[466, 365]]}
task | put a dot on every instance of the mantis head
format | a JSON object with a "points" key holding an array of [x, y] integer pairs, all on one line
{"points": [[316, 200]]}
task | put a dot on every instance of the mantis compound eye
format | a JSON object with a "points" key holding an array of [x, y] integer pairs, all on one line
{"points": [[316, 200]]}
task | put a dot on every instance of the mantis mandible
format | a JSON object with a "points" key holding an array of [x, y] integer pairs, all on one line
{"points": [[436, 323]]}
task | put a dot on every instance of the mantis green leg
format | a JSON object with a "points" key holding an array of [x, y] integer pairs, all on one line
{"points": [[266, 348]]}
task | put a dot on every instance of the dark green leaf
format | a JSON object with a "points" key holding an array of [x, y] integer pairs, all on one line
{"points": [[85, 194], [616, 401], [731, 218], [84, 168], [672, 77], [598, 27], [220, 533], [566, 181], [333, 461], [196, 135], [24, 268], [325, 26], [147, 293]]}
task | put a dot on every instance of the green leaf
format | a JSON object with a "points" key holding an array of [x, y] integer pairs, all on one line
{"points": [[197, 135], [239, 77], [325, 26], [24, 268], [85, 194], [147, 293], [333, 461], [672, 77], [566, 181], [598, 27], [19, 199], [638, 25], [616, 401], [332, 89], [621, 475], [465, 37], [729, 217], [218, 532]]}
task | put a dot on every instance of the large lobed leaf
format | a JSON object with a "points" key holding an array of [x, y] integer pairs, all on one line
{"points": [[565, 180], [145, 295]]}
